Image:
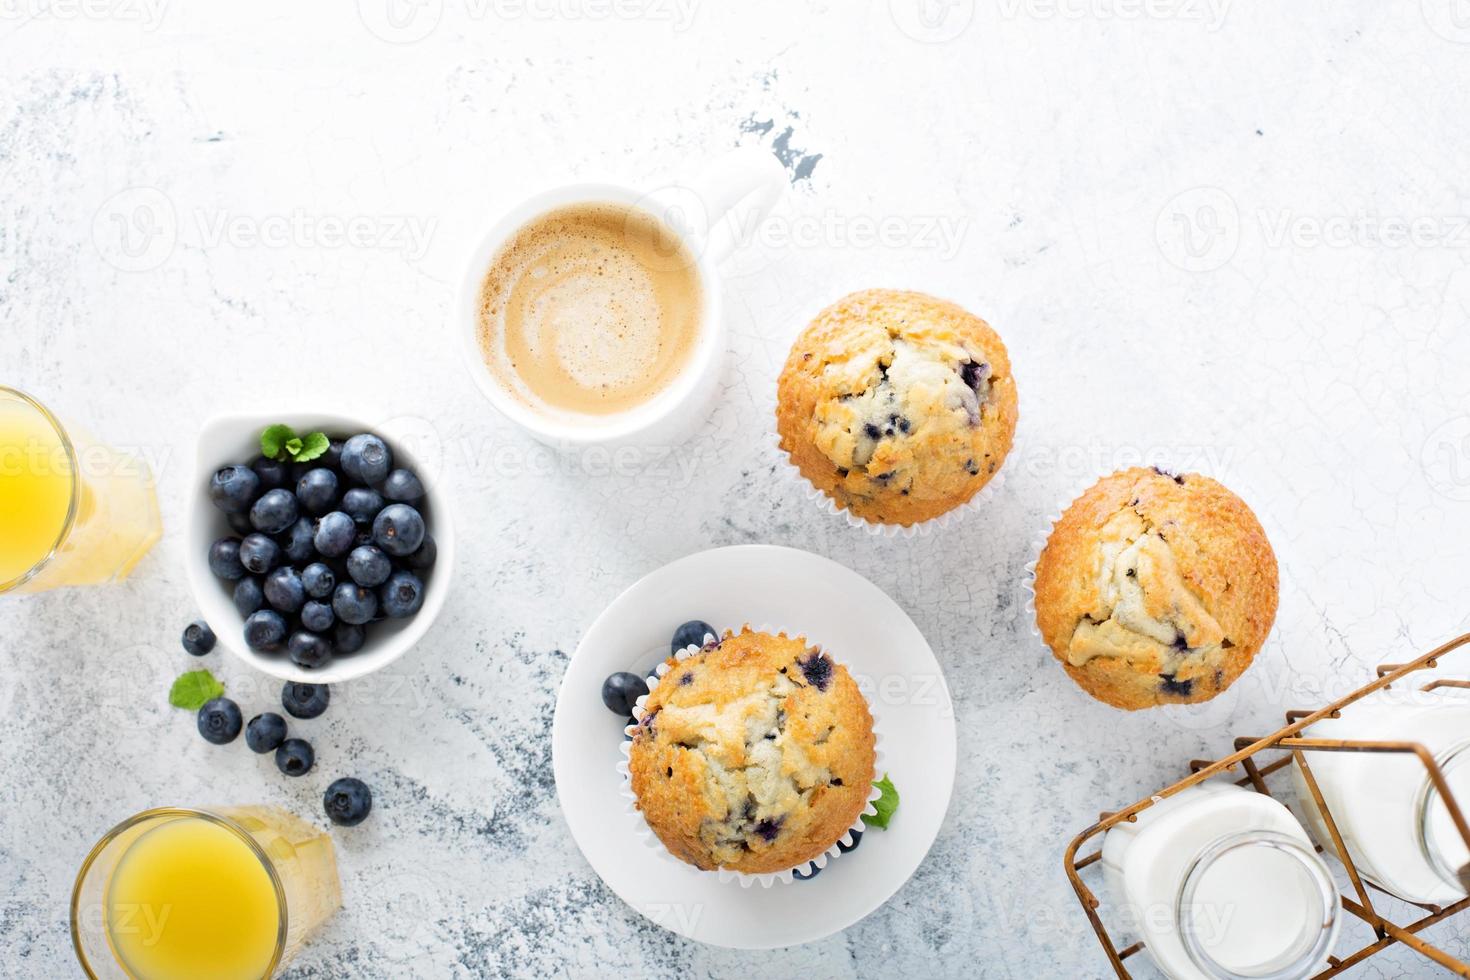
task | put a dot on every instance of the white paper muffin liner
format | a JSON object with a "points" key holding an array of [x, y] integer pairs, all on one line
{"points": [[832, 508], [650, 839]]}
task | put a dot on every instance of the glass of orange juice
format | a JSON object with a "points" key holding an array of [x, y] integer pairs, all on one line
{"points": [[177, 894], [73, 511]]}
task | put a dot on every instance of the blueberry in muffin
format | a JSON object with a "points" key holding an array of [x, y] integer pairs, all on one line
{"points": [[1156, 588], [754, 754], [896, 405]]}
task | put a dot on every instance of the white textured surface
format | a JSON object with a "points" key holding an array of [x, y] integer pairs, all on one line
{"points": [[1036, 165]]}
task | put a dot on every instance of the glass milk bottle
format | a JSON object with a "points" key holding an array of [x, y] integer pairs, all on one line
{"points": [[1392, 821], [1223, 882]]}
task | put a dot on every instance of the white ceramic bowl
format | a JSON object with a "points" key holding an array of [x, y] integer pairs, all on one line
{"points": [[236, 439]]}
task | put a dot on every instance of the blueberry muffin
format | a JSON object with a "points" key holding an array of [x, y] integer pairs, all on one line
{"points": [[1156, 589], [897, 405], [754, 755]]}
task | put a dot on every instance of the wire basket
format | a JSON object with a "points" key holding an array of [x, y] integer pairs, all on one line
{"points": [[1289, 740]]}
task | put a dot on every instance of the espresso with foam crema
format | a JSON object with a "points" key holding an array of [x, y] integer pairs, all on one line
{"points": [[590, 309]]}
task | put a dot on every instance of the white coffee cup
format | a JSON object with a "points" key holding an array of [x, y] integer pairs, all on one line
{"points": [[711, 215]]}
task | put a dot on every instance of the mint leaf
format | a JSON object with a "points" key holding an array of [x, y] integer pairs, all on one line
{"points": [[194, 689], [273, 441], [293, 446], [885, 804], [312, 446]]}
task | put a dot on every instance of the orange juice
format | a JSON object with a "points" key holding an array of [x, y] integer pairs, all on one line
{"points": [[191, 898], [72, 510]]}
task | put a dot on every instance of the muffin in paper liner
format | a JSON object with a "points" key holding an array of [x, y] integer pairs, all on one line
{"points": [[724, 875], [1262, 608]]}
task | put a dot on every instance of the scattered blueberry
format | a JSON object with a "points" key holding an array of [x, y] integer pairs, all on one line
{"points": [[233, 488], [362, 504], [317, 616], [402, 595], [425, 556], [265, 630], [300, 541], [309, 650], [621, 690], [319, 580], [857, 838], [348, 801], [219, 721], [284, 591], [404, 486], [806, 873], [272, 472], [316, 491], [198, 638], [692, 633], [335, 534], [366, 458], [304, 700], [275, 511], [265, 733], [368, 566], [348, 637], [399, 530], [224, 559], [294, 757], [354, 604], [248, 596], [259, 554]]}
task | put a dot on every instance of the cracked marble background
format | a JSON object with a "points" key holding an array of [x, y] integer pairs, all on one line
{"points": [[1224, 237]]}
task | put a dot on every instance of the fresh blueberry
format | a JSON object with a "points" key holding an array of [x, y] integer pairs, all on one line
{"points": [[348, 801], [368, 566], [317, 616], [332, 458], [857, 838], [303, 700], [265, 733], [354, 604], [362, 504], [275, 511], [300, 541], [240, 524], [316, 491], [403, 486], [198, 639], [806, 873], [284, 591], [219, 721], [309, 650], [248, 596], [233, 488], [692, 633], [366, 458], [265, 630], [294, 757], [399, 530], [423, 558], [335, 534], [272, 472], [348, 637], [319, 580], [224, 559], [621, 690], [259, 554], [402, 595]]}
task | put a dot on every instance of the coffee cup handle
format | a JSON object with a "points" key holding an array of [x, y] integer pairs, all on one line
{"points": [[729, 200]]}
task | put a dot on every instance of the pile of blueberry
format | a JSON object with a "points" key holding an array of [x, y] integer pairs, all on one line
{"points": [[322, 549]]}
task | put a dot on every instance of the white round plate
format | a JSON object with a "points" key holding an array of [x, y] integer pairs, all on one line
{"points": [[861, 627]]}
